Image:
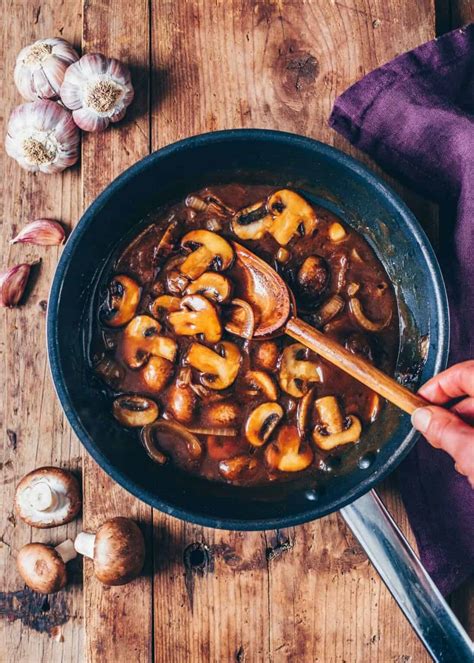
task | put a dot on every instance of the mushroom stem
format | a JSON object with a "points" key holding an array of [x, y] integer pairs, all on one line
{"points": [[84, 544], [42, 497], [66, 550]]}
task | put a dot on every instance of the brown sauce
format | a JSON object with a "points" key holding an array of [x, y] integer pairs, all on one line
{"points": [[287, 439]]}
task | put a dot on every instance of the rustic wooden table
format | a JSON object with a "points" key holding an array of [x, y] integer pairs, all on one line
{"points": [[305, 594]]}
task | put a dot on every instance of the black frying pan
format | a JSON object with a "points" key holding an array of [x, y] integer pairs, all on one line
{"points": [[361, 199]]}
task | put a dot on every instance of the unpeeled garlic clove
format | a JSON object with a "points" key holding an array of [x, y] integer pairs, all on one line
{"points": [[98, 90], [40, 68], [41, 135], [13, 283], [42, 232]]}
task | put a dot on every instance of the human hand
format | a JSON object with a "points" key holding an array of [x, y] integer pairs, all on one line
{"points": [[451, 430]]}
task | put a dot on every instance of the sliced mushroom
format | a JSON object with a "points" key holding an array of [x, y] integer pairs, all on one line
{"points": [[287, 453], [142, 339], [312, 279], [176, 282], [48, 497], [122, 301], [252, 222], [291, 215], [261, 381], [296, 373], [334, 429], [266, 355], [224, 413], [208, 250], [336, 232], [172, 432], [216, 287], [355, 307], [157, 372], [197, 315], [242, 320], [181, 402], [164, 304], [43, 568], [261, 423], [327, 311], [134, 411], [220, 448], [232, 468], [218, 370]]}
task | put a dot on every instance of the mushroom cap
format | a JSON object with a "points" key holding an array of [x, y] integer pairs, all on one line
{"points": [[42, 568], [60, 500], [119, 551]]}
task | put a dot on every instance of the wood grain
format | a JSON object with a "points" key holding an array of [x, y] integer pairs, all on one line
{"points": [[118, 623], [34, 431], [307, 594]]}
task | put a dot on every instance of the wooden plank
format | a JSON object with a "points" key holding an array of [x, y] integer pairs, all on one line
{"points": [[117, 620], [34, 431], [307, 594]]}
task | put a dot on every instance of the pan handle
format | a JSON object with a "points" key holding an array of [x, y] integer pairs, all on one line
{"points": [[407, 580]]}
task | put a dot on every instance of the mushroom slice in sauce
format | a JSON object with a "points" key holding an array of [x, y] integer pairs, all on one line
{"points": [[218, 370], [232, 468], [288, 453], [197, 315], [261, 381], [252, 222], [142, 338], [212, 285], [291, 215], [334, 429], [156, 373], [261, 423], [208, 250], [134, 411], [164, 304], [296, 373], [122, 301]]}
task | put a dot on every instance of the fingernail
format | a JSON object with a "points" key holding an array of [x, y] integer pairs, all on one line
{"points": [[421, 418]]}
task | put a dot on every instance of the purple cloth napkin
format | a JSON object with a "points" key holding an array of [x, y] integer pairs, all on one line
{"points": [[415, 117]]}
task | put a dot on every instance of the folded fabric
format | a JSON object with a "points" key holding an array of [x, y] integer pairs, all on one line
{"points": [[415, 117]]}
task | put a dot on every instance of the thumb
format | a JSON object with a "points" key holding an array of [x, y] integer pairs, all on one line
{"points": [[444, 430]]}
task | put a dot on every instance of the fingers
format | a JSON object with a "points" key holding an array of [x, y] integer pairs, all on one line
{"points": [[452, 383], [445, 430], [465, 410]]}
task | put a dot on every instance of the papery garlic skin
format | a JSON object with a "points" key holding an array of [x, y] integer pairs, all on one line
{"points": [[42, 232], [40, 68], [42, 136], [13, 283], [98, 90]]}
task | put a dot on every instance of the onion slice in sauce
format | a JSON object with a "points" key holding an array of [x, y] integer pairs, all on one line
{"points": [[150, 439], [302, 413], [355, 308], [328, 310], [213, 430], [242, 321]]}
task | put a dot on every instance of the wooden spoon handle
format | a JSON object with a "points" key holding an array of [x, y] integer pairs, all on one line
{"points": [[359, 368]]}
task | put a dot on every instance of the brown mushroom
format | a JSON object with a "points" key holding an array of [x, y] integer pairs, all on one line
{"points": [[164, 304], [296, 373], [355, 307], [156, 373], [266, 355], [287, 453], [291, 215], [122, 301], [212, 285], [134, 411], [333, 429], [43, 568], [220, 448], [224, 413], [252, 222], [48, 497], [261, 423], [208, 251], [218, 370], [312, 279], [181, 401], [117, 549], [163, 432], [142, 339], [261, 381], [232, 468], [197, 315]]}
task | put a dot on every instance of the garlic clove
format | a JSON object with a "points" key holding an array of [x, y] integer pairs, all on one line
{"points": [[42, 136], [43, 232], [40, 68], [98, 90], [13, 283]]}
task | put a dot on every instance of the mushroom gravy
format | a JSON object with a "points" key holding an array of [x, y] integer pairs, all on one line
{"points": [[175, 325]]}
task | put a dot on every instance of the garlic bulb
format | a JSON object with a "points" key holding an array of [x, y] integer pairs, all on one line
{"points": [[40, 68], [41, 135], [13, 283], [43, 232], [98, 90]]}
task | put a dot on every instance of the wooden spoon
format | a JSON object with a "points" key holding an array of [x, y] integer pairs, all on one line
{"points": [[276, 311]]}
